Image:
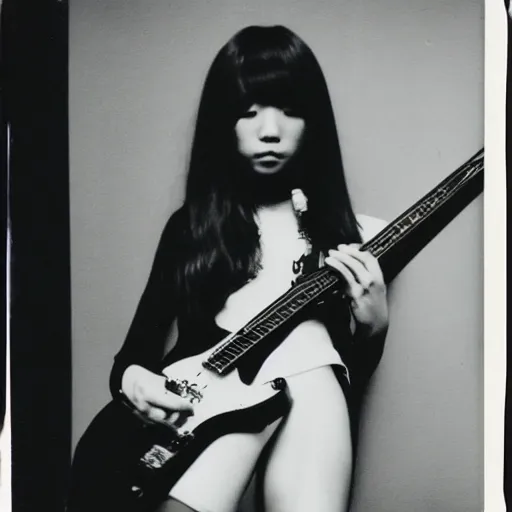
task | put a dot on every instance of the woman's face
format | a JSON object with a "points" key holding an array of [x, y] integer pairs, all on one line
{"points": [[268, 137]]}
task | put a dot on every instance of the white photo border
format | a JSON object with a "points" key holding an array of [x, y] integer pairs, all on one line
{"points": [[494, 254]]}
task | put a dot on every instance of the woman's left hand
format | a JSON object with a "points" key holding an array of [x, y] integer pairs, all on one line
{"points": [[365, 287]]}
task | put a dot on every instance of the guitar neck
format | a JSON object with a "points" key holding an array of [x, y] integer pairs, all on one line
{"points": [[392, 239], [445, 192]]}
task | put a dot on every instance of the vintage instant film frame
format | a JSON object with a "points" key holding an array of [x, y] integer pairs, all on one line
{"points": [[495, 271]]}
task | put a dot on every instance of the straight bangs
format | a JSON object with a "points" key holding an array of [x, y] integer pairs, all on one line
{"points": [[273, 67], [271, 81]]}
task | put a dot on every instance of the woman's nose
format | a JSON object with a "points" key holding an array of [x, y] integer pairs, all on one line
{"points": [[269, 128]]}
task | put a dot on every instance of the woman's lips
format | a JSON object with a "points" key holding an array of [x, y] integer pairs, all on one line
{"points": [[269, 162], [269, 155]]}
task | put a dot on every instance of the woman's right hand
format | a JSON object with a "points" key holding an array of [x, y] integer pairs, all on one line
{"points": [[146, 391]]}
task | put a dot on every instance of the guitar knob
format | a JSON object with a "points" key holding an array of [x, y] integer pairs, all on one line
{"points": [[137, 491], [278, 383]]}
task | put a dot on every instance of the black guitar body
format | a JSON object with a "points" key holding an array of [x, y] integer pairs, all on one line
{"points": [[108, 474]]}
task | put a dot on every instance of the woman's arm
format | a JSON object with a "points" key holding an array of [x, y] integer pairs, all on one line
{"points": [[144, 343], [367, 293]]}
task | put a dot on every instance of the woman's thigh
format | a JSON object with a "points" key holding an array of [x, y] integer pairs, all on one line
{"points": [[310, 464], [217, 479]]}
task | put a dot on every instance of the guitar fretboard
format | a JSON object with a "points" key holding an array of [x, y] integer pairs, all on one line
{"points": [[316, 284]]}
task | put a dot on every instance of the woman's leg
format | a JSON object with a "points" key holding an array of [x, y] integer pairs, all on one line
{"points": [[217, 479], [310, 464]]}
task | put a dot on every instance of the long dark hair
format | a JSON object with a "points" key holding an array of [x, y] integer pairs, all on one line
{"points": [[220, 247]]}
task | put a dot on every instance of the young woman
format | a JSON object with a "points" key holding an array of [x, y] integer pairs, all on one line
{"points": [[265, 127]]}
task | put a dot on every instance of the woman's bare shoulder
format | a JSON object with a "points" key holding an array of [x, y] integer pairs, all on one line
{"points": [[369, 226]]}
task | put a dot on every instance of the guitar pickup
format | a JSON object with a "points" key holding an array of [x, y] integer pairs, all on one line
{"points": [[156, 457]]}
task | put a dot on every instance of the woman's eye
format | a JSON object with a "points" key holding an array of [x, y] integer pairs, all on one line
{"points": [[247, 114], [290, 112]]}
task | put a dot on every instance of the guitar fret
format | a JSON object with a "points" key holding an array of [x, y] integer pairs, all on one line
{"points": [[280, 315], [231, 350], [260, 330], [244, 342], [272, 322], [315, 284], [239, 343]]}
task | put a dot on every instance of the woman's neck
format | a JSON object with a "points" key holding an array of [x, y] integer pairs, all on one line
{"points": [[278, 215], [263, 190], [285, 205]]}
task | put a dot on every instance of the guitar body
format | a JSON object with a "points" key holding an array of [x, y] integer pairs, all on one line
{"points": [[124, 463]]}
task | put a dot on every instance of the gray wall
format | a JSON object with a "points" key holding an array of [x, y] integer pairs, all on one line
{"points": [[406, 79]]}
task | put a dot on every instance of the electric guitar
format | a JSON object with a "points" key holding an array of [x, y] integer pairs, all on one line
{"points": [[124, 463]]}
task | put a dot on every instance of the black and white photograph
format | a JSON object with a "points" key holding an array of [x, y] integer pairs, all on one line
{"points": [[256, 256]]}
